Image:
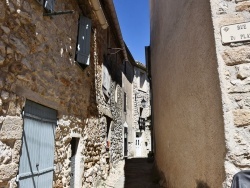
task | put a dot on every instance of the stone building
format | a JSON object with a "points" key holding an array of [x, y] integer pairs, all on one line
{"points": [[127, 84], [141, 145], [61, 95], [136, 105], [200, 76]]}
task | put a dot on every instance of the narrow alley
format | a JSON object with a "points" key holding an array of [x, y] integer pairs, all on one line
{"points": [[78, 109]]}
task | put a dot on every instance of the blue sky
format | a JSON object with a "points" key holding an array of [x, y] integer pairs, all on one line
{"points": [[133, 16]]}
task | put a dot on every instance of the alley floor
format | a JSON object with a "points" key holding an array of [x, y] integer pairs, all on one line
{"points": [[132, 173]]}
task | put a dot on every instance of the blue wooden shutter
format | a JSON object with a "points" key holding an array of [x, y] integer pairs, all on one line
{"points": [[37, 156], [46, 160], [83, 41], [49, 5], [29, 156]]}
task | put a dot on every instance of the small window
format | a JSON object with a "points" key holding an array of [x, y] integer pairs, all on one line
{"points": [[108, 119], [138, 134], [141, 109], [106, 80], [142, 79], [116, 93], [125, 102]]}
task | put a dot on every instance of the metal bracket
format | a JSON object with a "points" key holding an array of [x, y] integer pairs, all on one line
{"points": [[114, 50], [58, 13]]}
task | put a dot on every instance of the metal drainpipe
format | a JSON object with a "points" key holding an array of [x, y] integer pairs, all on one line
{"points": [[99, 13]]}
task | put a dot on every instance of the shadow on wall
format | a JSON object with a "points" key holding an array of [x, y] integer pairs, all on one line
{"points": [[201, 184]]}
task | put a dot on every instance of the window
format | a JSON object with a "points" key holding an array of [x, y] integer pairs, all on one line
{"points": [[125, 102], [106, 80], [83, 41], [141, 109], [116, 93], [142, 79], [108, 119]]}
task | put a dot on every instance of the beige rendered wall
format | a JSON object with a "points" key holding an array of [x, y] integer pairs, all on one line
{"points": [[127, 87], [188, 117]]}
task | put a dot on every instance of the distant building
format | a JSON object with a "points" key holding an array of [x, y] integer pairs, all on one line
{"points": [[138, 108], [141, 112]]}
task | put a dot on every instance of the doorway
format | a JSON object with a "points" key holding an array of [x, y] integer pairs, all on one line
{"points": [[74, 146]]}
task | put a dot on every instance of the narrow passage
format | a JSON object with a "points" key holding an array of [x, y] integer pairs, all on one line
{"points": [[133, 173]]}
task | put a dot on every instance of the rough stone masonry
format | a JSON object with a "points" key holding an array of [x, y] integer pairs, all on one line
{"points": [[37, 63], [234, 71]]}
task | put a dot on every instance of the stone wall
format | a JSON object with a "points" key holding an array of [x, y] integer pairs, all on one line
{"points": [[188, 114], [37, 63], [11, 126], [113, 110], [234, 71], [104, 148], [96, 165]]}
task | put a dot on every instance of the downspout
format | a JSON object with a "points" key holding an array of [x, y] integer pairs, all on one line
{"points": [[99, 13]]}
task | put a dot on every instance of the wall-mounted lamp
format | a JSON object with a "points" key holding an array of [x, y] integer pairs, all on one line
{"points": [[141, 123]]}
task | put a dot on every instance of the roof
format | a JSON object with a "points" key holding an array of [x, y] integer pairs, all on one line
{"points": [[133, 61]]}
